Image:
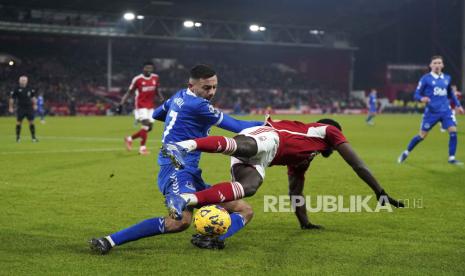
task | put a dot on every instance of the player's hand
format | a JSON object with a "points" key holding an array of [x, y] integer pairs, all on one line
{"points": [[425, 100], [459, 110], [383, 197], [34, 107], [119, 109]]}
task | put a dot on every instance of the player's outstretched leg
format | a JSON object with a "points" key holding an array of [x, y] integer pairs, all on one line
{"points": [[147, 228], [247, 184], [453, 148], [142, 134], [415, 140]]}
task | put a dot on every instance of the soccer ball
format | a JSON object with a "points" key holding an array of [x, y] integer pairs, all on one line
{"points": [[212, 220]]}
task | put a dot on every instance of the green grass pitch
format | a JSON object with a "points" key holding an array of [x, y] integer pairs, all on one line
{"points": [[79, 182]]}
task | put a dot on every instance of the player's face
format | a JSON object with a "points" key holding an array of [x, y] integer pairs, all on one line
{"points": [[436, 65], [205, 88], [23, 81], [148, 69]]}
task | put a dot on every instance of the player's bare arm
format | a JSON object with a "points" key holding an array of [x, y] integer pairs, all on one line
{"points": [[296, 178], [126, 96], [349, 155]]}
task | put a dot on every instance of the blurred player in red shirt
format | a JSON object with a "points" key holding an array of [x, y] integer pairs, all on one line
{"points": [[145, 86], [288, 143]]}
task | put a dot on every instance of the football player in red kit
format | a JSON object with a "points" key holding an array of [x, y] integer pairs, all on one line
{"points": [[145, 86], [286, 143]]}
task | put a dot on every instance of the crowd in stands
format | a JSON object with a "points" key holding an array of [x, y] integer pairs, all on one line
{"points": [[73, 80], [71, 85]]}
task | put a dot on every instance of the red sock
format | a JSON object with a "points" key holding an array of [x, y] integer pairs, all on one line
{"points": [[136, 135], [221, 192], [216, 144], [143, 136]]}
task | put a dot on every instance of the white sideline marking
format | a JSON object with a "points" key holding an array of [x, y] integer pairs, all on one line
{"points": [[83, 138], [63, 151]]}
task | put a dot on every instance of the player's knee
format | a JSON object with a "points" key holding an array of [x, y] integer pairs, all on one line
{"points": [[246, 146], [251, 188]]}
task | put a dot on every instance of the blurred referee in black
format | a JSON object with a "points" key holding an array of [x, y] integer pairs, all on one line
{"points": [[26, 105]]}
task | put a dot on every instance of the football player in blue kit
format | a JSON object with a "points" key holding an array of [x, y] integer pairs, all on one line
{"points": [[434, 89], [186, 115], [372, 109]]}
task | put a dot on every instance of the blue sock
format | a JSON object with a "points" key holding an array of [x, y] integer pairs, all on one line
{"points": [[146, 228], [452, 143], [237, 223], [417, 139]]}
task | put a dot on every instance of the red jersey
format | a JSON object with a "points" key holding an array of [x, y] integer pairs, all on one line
{"points": [[300, 142], [458, 94], [146, 90]]}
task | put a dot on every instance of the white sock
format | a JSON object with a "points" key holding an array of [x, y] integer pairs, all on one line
{"points": [[406, 152], [190, 145], [191, 199], [110, 240], [452, 157]]}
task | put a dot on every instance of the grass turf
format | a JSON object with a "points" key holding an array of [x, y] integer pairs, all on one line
{"points": [[79, 182]]}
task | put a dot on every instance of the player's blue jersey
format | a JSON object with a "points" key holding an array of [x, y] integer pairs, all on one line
{"points": [[438, 89], [40, 102], [188, 117], [372, 101]]}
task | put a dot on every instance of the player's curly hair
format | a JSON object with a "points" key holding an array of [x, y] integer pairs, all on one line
{"points": [[327, 153], [202, 71], [331, 122]]}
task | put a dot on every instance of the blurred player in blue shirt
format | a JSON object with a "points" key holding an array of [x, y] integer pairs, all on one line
{"points": [[371, 105], [187, 115], [434, 89], [41, 107]]}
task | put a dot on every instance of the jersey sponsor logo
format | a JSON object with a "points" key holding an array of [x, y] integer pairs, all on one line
{"points": [[213, 110], [179, 102], [438, 91], [148, 88]]}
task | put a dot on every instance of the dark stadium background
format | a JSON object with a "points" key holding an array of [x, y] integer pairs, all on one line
{"points": [[377, 33]]}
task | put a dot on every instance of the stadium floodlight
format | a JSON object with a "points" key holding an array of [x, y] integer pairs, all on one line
{"points": [[129, 16], [198, 24], [254, 28], [11, 63], [316, 32], [140, 17], [257, 28], [188, 23]]}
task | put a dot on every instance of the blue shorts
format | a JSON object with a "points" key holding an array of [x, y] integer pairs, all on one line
{"points": [[187, 180], [447, 120], [372, 109]]}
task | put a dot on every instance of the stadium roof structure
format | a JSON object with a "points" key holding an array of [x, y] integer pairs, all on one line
{"points": [[316, 23]]}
